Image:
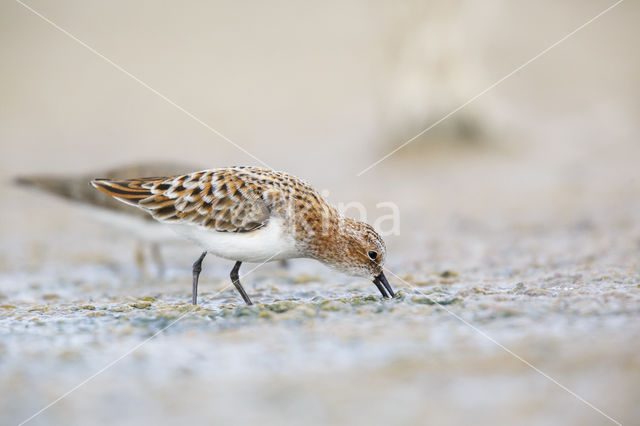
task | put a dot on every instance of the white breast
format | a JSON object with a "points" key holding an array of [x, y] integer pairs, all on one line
{"points": [[262, 245]]}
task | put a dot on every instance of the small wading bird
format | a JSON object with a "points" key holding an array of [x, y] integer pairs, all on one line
{"points": [[249, 214], [106, 210]]}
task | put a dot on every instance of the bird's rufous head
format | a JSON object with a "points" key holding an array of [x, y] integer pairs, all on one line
{"points": [[357, 249]]}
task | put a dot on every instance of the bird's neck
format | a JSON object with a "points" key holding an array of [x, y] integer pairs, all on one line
{"points": [[329, 242]]}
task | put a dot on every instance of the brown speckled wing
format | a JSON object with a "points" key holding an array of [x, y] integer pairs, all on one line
{"points": [[225, 200]]}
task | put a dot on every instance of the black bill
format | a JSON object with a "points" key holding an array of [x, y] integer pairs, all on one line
{"points": [[383, 285]]}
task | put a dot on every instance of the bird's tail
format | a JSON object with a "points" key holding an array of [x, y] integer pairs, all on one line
{"points": [[130, 191]]}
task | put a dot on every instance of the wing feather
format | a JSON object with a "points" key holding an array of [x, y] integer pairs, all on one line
{"points": [[222, 199]]}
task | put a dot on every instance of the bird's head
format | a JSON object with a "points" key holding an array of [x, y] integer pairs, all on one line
{"points": [[357, 249]]}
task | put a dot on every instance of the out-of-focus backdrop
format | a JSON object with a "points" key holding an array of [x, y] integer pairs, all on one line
{"points": [[520, 211]]}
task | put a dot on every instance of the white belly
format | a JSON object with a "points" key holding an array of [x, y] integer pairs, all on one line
{"points": [[262, 245]]}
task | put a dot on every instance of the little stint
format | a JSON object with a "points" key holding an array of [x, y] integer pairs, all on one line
{"points": [[249, 214]]}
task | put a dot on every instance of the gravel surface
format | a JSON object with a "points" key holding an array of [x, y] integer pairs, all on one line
{"points": [[536, 324]]}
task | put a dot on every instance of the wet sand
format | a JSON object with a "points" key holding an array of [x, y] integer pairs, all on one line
{"points": [[453, 347]]}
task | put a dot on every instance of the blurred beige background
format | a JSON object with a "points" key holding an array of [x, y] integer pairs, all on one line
{"points": [[319, 90], [323, 91]]}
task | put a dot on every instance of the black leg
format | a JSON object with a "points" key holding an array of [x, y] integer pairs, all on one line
{"points": [[235, 279], [197, 267]]}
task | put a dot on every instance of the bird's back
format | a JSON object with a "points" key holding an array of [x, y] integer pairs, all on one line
{"points": [[232, 199]]}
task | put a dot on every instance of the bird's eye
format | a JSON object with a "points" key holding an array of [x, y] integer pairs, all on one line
{"points": [[372, 254]]}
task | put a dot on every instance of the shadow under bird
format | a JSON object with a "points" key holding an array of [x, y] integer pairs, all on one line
{"points": [[106, 210], [250, 214]]}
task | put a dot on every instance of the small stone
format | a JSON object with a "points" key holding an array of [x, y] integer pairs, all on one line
{"points": [[69, 355], [243, 312], [423, 300], [50, 296], [449, 274], [332, 306], [438, 299], [305, 279], [306, 311], [225, 312], [280, 307], [425, 283], [265, 314], [535, 292], [400, 295], [141, 305], [519, 288]]}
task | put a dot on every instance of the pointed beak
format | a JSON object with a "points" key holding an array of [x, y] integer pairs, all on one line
{"points": [[381, 282]]}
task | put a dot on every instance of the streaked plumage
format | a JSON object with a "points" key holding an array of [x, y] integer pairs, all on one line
{"points": [[255, 215]]}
